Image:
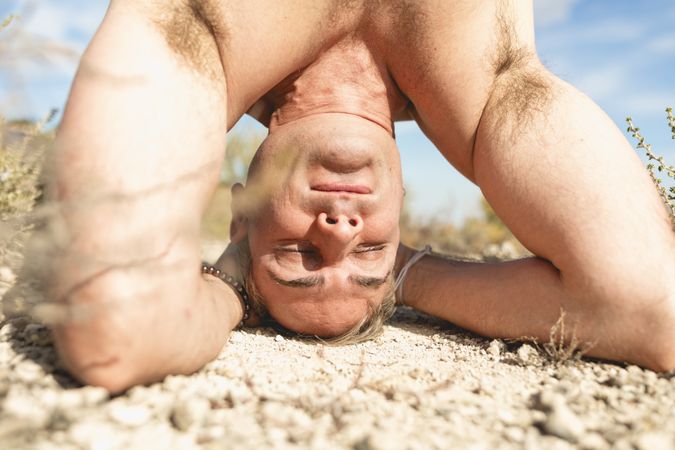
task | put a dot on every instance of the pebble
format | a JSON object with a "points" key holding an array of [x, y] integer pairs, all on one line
{"points": [[278, 338], [93, 395], [496, 347], [655, 440], [129, 415], [593, 441], [276, 436], [29, 371], [6, 352], [96, 434], [386, 439], [527, 354], [37, 334], [560, 420], [189, 413], [25, 407], [6, 275], [514, 434]]}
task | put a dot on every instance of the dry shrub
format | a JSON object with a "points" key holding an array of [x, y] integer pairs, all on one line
{"points": [[22, 148], [484, 237], [563, 345]]}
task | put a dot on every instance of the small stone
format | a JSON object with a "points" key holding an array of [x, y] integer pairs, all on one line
{"points": [[238, 395], [92, 395], [6, 352], [277, 436], [37, 334], [25, 408], [655, 440], [211, 433], [6, 275], [190, 413], [383, 440], [278, 338], [496, 347], [593, 441], [129, 415], [560, 420], [236, 337], [96, 435], [527, 354], [29, 371], [514, 434]]}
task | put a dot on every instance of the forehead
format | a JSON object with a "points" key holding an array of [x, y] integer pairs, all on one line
{"points": [[317, 313]]}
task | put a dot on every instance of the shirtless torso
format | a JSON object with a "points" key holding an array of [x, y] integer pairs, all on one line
{"points": [[140, 146], [432, 61]]}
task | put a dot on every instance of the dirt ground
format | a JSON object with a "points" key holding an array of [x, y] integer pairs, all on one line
{"points": [[423, 384]]}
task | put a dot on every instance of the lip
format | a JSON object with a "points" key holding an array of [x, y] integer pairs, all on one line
{"points": [[342, 188]]}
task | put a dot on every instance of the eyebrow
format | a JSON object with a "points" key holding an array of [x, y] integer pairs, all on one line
{"points": [[319, 280], [369, 282]]}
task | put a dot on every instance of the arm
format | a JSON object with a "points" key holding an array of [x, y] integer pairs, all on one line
{"points": [[137, 155], [566, 182]]}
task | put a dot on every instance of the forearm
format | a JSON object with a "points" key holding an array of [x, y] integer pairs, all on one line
{"points": [[521, 299], [508, 300], [136, 157]]}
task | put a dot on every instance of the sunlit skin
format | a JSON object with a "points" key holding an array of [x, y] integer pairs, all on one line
{"points": [[139, 150], [325, 234]]}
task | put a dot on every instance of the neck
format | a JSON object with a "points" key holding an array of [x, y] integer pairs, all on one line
{"points": [[345, 79]]}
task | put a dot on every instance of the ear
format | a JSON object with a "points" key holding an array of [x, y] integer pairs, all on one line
{"points": [[239, 222]]}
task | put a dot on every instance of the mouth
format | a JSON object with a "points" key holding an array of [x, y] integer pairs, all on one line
{"points": [[342, 188]]}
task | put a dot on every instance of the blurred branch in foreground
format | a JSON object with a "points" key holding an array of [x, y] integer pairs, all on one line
{"points": [[241, 147], [22, 51]]}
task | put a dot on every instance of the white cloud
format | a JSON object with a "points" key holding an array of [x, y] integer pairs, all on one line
{"points": [[57, 21], [549, 12], [603, 83], [647, 102], [662, 45]]}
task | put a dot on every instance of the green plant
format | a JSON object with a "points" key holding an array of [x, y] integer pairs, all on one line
{"points": [[658, 162]]}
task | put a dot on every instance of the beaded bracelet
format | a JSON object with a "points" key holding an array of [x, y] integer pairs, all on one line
{"points": [[234, 284]]}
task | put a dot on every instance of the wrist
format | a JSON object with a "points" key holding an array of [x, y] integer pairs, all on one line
{"points": [[403, 255]]}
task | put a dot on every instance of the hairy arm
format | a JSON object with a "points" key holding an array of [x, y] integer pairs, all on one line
{"points": [[137, 156], [566, 182]]}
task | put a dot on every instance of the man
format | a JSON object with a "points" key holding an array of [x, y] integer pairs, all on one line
{"points": [[142, 138]]}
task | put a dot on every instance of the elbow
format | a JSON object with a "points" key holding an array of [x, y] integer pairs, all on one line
{"points": [[664, 362], [660, 349], [96, 365], [658, 337]]}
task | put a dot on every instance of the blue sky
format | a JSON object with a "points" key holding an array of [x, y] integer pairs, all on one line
{"points": [[619, 52]]}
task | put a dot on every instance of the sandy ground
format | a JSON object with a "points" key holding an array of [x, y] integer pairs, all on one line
{"points": [[422, 385]]}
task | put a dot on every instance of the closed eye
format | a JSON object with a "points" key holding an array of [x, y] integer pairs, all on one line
{"points": [[370, 248], [296, 250]]}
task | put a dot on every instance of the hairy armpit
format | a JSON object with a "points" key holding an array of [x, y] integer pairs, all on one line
{"points": [[193, 29], [522, 86]]}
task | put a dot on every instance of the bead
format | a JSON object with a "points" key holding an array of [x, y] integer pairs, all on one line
{"points": [[236, 285]]}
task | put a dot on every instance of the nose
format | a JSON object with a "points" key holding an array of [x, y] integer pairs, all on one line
{"points": [[339, 230]]}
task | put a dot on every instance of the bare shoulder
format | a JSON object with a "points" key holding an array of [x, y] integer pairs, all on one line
{"points": [[192, 29], [446, 56]]}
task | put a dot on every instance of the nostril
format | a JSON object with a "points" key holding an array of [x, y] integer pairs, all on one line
{"points": [[330, 221], [352, 222]]}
